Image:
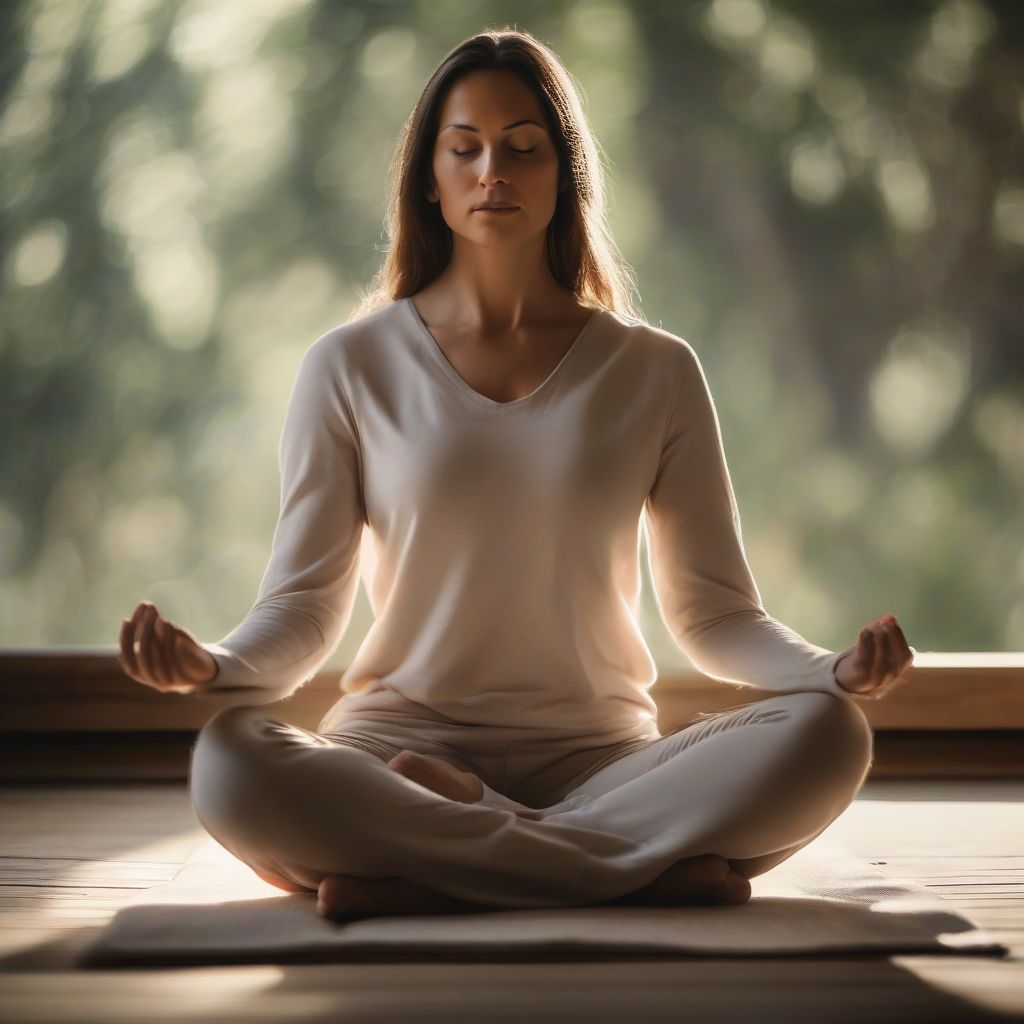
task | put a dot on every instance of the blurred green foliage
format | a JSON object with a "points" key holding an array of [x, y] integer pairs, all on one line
{"points": [[826, 200]]}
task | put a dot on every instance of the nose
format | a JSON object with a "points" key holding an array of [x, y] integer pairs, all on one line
{"points": [[493, 169]]}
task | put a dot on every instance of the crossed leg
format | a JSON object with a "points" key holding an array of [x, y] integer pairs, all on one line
{"points": [[702, 879], [755, 783], [746, 789]]}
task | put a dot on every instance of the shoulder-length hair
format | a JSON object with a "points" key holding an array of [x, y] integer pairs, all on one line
{"points": [[581, 252]]}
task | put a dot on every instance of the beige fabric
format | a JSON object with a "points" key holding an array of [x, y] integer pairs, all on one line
{"points": [[564, 822], [499, 542]]}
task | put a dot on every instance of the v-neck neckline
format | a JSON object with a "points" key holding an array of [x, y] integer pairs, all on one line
{"points": [[449, 370]]}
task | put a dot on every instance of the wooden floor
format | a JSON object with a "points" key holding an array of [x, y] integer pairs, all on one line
{"points": [[72, 855]]}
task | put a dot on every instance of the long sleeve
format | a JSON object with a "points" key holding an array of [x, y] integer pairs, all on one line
{"points": [[704, 587], [309, 587]]}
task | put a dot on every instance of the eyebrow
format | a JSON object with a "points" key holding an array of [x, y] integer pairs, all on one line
{"points": [[507, 128]]}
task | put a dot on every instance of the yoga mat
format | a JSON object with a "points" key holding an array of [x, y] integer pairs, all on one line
{"points": [[821, 900]]}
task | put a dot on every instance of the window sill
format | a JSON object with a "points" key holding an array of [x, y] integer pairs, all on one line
{"points": [[82, 689]]}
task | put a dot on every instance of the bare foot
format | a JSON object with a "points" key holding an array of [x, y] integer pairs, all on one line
{"points": [[282, 883], [706, 879], [438, 776], [351, 897]]}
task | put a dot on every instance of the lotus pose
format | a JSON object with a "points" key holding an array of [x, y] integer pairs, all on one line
{"points": [[482, 443]]}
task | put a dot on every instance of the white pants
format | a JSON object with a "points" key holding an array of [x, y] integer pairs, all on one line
{"points": [[563, 822]]}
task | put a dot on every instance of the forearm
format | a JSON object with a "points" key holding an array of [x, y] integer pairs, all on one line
{"points": [[755, 649]]}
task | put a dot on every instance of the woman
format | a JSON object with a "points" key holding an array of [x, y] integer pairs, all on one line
{"points": [[483, 440]]}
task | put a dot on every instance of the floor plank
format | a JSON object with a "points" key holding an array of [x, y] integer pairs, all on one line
{"points": [[72, 855]]}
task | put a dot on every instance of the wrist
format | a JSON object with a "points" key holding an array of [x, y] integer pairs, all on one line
{"points": [[835, 669]]}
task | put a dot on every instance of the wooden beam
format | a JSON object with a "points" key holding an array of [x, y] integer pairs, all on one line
{"points": [[164, 756], [83, 689]]}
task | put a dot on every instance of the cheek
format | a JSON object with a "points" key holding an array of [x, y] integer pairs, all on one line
{"points": [[455, 179], [446, 171], [546, 176]]}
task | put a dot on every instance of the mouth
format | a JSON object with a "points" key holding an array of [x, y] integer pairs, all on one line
{"points": [[495, 209]]}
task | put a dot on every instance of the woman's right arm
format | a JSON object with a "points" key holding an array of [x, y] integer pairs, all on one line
{"points": [[309, 586]]}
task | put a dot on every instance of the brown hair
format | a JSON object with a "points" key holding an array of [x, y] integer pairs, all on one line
{"points": [[581, 252]]}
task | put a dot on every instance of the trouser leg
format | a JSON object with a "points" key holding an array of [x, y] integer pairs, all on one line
{"points": [[752, 785], [297, 805]]}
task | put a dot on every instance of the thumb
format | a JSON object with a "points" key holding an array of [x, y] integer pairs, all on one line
{"points": [[190, 655], [858, 667]]}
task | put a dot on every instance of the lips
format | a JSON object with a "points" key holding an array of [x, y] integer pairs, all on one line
{"points": [[496, 206]]}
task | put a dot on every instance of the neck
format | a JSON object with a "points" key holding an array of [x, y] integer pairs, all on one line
{"points": [[497, 289]]}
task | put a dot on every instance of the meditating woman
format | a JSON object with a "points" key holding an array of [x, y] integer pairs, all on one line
{"points": [[482, 442]]}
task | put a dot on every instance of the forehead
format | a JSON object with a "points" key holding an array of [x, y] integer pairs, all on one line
{"points": [[486, 98]]}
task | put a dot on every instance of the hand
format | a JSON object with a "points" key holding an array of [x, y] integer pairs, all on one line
{"points": [[169, 658], [877, 662]]}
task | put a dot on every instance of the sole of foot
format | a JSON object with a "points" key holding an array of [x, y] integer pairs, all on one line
{"points": [[350, 897], [703, 880], [438, 776]]}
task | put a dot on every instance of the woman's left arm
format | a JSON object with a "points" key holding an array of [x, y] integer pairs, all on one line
{"points": [[703, 583]]}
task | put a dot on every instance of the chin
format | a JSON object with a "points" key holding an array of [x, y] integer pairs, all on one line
{"points": [[493, 238]]}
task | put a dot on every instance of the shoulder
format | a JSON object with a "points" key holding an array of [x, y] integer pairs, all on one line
{"points": [[354, 340], [332, 365], [666, 352]]}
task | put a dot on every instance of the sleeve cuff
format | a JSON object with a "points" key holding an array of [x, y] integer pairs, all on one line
{"points": [[235, 683], [232, 670], [833, 682]]}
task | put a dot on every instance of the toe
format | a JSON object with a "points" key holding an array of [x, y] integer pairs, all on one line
{"points": [[340, 896], [327, 895], [738, 888]]}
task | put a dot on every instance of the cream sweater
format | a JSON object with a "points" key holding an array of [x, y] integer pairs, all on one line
{"points": [[499, 542]]}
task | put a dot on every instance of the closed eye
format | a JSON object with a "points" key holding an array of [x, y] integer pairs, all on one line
{"points": [[514, 150]]}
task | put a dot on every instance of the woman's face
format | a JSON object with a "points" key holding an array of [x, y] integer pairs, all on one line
{"points": [[493, 146]]}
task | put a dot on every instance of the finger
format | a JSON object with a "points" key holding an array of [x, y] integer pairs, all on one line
{"points": [[887, 665], [172, 661], [192, 657], [145, 654], [168, 658], [126, 655], [878, 662], [876, 669], [908, 662], [131, 655], [161, 655], [905, 654], [866, 650], [183, 671], [901, 658], [901, 640], [900, 652], [141, 675], [180, 668]]}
